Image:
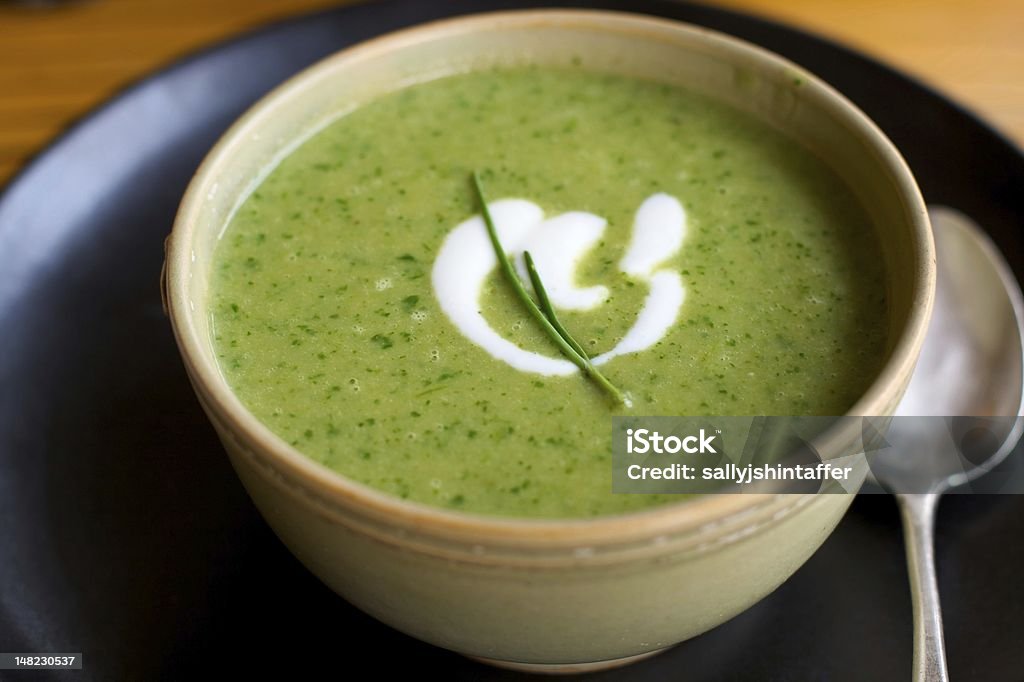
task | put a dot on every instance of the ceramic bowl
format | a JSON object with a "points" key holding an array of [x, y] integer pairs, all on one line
{"points": [[543, 594]]}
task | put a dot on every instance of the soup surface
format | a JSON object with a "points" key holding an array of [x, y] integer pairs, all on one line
{"points": [[358, 312]]}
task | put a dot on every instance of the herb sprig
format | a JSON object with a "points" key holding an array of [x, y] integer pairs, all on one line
{"points": [[547, 318]]}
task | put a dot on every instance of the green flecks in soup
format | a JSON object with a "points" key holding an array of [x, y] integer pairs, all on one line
{"points": [[329, 327]]}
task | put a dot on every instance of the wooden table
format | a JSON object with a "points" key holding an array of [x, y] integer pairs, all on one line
{"points": [[59, 59]]}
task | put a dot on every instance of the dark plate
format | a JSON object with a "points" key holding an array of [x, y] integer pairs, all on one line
{"points": [[125, 534]]}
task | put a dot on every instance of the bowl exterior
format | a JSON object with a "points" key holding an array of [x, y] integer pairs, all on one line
{"points": [[581, 603]]}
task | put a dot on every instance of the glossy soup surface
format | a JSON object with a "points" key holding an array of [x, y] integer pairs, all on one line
{"points": [[329, 326]]}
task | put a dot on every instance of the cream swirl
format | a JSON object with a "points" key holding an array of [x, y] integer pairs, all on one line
{"points": [[558, 245]]}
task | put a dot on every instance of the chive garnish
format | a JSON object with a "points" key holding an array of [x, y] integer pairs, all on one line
{"points": [[547, 318], [547, 308]]}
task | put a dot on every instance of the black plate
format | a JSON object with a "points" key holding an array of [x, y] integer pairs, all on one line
{"points": [[125, 534]]}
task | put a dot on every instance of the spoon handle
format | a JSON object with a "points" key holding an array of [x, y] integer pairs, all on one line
{"points": [[918, 512]]}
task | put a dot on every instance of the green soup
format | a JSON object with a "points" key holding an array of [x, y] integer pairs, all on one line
{"points": [[329, 326]]}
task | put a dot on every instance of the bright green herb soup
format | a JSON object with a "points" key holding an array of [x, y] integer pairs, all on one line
{"points": [[329, 327]]}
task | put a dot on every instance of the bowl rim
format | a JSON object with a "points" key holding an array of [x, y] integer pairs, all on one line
{"points": [[304, 473]]}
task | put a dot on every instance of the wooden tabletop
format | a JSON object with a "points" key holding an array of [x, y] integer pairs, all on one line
{"points": [[59, 59]]}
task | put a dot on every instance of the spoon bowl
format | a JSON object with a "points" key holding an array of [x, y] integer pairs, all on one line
{"points": [[970, 367]]}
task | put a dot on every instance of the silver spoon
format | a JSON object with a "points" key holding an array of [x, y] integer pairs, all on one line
{"points": [[971, 365]]}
